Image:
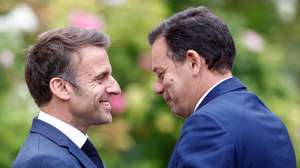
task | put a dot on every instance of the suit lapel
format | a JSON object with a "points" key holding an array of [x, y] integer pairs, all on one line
{"points": [[224, 87], [80, 155], [59, 138]]}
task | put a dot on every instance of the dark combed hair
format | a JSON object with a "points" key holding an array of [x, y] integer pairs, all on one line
{"points": [[200, 30], [52, 56]]}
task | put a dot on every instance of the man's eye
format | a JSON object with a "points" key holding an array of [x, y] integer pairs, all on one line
{"points": [[100, 78], [98, 81]]}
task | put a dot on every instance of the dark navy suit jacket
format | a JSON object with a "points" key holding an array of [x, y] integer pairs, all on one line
{"points": [[232, 128], [46, 146]]}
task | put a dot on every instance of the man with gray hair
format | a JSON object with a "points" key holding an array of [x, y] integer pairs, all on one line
{"points": [[68, 74]]}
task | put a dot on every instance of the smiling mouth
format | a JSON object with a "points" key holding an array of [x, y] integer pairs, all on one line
{"points": [[106, 104]]}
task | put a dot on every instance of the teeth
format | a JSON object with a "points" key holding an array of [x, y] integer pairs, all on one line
{"points": [[106, 104]]}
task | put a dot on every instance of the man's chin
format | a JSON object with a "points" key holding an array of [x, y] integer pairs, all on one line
{"points": [[109, 118], [179, 113], [105, 119]]}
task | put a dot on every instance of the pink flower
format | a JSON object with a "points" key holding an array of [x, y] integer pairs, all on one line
{"points": [[86, 20], [252, 41], [7, 58], [118, 104]]}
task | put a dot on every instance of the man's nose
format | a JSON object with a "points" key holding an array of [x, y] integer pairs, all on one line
{"points": [[113, 87], [158, 88]]}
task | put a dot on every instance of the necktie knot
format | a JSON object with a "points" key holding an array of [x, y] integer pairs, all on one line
{"points": [[89, 149]]}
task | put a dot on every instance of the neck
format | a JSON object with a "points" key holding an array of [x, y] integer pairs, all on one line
{"points": [[61, 112], [206, 81]]}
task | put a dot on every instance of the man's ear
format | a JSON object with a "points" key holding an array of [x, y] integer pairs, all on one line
{"points": [[60, 88], [195, 61]]}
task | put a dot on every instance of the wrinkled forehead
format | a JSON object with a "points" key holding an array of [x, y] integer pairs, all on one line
{"points": [[91, 57], [91, 52]]}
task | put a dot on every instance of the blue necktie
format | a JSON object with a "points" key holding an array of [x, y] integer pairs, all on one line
{"points": [[89, 149]]}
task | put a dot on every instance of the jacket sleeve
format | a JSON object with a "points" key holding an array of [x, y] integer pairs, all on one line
{"points": [[44, 161], [204, 143]]}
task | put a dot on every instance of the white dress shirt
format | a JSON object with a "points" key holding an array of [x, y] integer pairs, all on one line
{"points": [[209, 90], [71, 132]]}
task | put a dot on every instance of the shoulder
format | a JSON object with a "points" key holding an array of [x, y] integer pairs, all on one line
{"points": [[207, 129], [203, 140], [42, 160], [207, 126], [37, 143], [39, 151], [234, 110]]}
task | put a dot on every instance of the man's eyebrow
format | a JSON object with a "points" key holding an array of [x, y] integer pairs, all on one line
{"points": [[100, 75], [155, 69], [159, 69]]}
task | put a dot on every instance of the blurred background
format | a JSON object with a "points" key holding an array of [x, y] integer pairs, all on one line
{"points": [[143, 132]]}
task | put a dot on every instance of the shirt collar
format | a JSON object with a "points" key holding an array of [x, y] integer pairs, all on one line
{"points": [[71, 132], [209, 90]]}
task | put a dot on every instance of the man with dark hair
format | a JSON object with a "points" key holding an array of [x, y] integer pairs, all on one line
{"points": [[226, 126], [68, 74]]}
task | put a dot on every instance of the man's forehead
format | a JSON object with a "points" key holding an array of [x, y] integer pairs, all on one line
{"points": [[159, 55], [156, 63], [161, 62], [159, 68]]}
